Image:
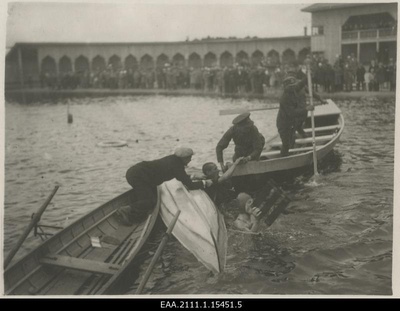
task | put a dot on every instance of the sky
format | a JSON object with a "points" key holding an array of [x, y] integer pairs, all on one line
{"points": [[135, 21]]}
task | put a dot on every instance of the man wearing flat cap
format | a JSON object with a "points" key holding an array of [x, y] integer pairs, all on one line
{"points": [[249, 142], [145, 176]]}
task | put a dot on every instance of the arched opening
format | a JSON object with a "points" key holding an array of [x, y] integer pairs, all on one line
{"points": [[49, 65], [81, 64], [146, 62], [162, 60], [65, 65], [178, 60], [115, 62], [273, 57], [288, 57], [210, 60], [194, 60], [131, 62], [256, 58], [226, 59], [98, 64], [242, 58], [302, 55]]}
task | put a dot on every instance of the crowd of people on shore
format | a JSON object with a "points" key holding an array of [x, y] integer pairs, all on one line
{"points": [[346, 74]]}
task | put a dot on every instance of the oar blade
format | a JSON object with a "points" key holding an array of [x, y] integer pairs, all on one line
{"points": [[242, 110], [232, 111]]}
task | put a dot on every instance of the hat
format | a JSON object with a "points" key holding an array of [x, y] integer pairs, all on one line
{"points": [[183, 152], [241, 117]]}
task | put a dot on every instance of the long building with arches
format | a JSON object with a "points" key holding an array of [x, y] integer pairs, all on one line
{"points": [[27, 61], [367, 31]]}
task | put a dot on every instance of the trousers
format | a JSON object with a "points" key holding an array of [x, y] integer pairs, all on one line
{"points": [[287, 135]]}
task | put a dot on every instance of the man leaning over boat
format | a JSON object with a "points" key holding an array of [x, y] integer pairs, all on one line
{"points": [[144, 178], [249, 142]]}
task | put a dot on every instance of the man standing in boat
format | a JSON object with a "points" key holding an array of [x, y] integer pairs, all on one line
{"points": [[249, 142], [144, 178], [301, 96], [293, 109]]}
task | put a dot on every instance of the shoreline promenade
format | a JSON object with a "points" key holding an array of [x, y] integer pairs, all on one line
{"points": [[271, 94]]}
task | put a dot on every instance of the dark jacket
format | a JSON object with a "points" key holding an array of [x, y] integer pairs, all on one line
{"points": [[221, 192], [248, 141], [154, 173], [291, 106], [360, 74]]}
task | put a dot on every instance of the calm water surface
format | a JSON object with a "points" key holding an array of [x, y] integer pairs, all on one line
{"points": [[335, 238]]}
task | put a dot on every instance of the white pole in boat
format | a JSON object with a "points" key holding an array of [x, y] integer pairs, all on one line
{"points": [[315, 159], [158, 253]]}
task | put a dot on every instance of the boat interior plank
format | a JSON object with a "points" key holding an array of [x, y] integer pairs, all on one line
{"points": [[323, 128], [97, 281], [69, 281], [80, 264], [309, 140], [88, 228], [21, 280], [276, 153]]}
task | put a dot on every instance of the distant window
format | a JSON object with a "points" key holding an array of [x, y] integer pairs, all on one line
{"points": [[317, 30]]}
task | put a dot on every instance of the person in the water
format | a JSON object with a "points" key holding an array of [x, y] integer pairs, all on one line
{"points": [[248, 218], [221, 189]]}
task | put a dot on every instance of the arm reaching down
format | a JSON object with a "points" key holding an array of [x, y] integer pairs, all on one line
{"points": [[228, 173]]}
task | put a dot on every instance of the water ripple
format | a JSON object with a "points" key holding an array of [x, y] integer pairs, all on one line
{"points": [[335, 238]]}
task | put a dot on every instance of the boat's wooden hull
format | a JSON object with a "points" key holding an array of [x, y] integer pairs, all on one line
{"points": [[69, 263], [200, 227], [329, 127]]}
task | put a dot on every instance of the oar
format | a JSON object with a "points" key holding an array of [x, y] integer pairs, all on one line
{"points": [[312, 121], [158, 253], [35, 219], [241, 110]]}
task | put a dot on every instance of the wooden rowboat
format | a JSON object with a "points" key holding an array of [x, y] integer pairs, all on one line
{"points": [[329, 125], [200, 227], [88, 257]]}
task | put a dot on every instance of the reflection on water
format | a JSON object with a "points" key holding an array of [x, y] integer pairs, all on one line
{"points": [[335, 238]]}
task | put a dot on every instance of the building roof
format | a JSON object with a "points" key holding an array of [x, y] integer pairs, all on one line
{"points": [[331, 6], [195, 42], [12, 50]]}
